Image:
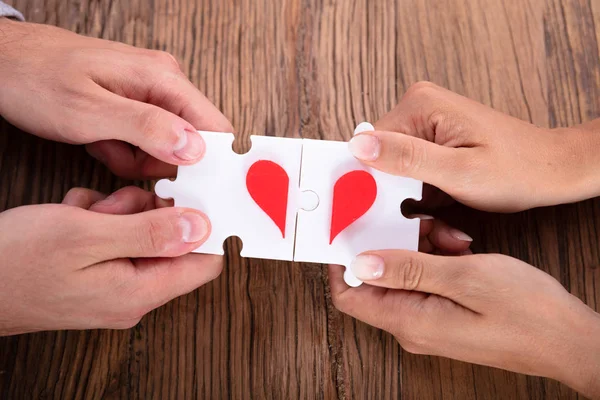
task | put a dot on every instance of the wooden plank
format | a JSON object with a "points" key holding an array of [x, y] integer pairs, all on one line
{"points": [[312, 68]]}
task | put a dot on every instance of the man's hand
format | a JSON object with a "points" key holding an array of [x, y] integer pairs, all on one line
{"points": [[96, 262], [487, 309], [110, 96], [479, 156]]}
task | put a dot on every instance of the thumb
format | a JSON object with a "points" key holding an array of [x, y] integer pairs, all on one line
{"points": [[166, 232], [456, 278], [404, 155], [158, 132]]}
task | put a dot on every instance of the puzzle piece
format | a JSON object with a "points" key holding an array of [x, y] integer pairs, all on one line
{"points": [[382, 226], [218, 187], [296, 199]]}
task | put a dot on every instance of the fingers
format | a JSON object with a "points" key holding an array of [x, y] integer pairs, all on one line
{"points": [[128, 161], [161, 280], [450, 277], [178, 95], [414, 318], [82, 198], [428, 136], [165, 232], [436, 114], [158, 80], [437, 236], [132, 288], [156, 108], [129, 200], [409, 156]]}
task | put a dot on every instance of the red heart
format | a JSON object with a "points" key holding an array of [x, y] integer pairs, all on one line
{"points": [[268, 183], [353, 195]]}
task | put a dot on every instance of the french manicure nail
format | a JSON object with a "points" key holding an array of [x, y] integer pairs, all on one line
{"points": [[460, 235], [190, 145], [365, 147], [422, 217], [368, 267], [194, 227]]}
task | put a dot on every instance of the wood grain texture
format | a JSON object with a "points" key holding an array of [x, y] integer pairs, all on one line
{"points": [[312, 68]]}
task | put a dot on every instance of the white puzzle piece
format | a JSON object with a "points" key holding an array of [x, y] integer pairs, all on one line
{"points": [[217, 187], [382, 227], [232, 190]]}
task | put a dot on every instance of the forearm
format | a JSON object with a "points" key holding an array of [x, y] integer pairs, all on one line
{"points": [[9, 12]]}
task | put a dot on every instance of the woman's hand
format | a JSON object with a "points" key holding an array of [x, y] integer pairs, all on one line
{"points": [[81, 90], [481, 157], [486, 309], [96, 262]]}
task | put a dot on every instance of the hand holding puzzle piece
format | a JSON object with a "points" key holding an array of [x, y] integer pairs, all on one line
{"points": [[296, 199]]}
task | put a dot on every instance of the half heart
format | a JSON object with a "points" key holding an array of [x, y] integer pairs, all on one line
{"points": [[268, 185], [353, 195]]}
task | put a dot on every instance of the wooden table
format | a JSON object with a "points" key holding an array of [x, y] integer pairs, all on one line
{"points": [[312, 68]]}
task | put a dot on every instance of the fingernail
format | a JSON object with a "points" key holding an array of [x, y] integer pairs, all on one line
{"points": [[190, 145], [422, 217], [97, 155], [194, 227], [110, 200], [460, 235], [364, 147], [367, 267]]}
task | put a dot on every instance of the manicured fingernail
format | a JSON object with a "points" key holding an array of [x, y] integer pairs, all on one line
{"points": [[190, 145], [194, 227], [110, 200], [460, 235], [367, 267], [422, 217], [365, 147], [97, 155]]}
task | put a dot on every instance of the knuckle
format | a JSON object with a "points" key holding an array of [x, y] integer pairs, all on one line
{"points": [[414, 337], [336, 299], [149, 123], [151, 237], [76, 195], [422, 89], [126, 324], [166, 59], [408, 155], [412, 346], [412, 272], [345, 302], [466, 280]]}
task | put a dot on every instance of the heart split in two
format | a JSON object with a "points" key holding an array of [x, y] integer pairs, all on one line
{"points": [[353, 195]]}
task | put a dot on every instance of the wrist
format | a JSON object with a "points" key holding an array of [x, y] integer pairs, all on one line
{"points": [[580, 366], [576, 162]]}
